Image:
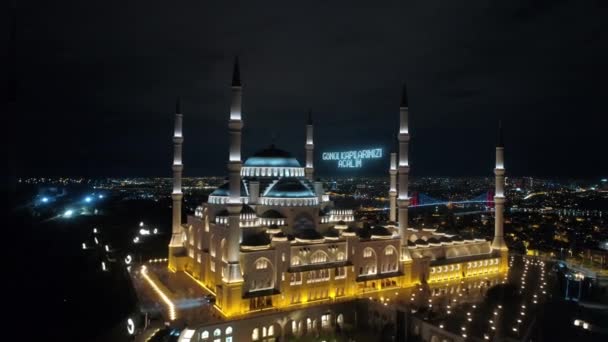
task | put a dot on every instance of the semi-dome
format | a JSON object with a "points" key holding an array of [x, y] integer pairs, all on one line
{"points": [[272, 157], [224, 190], [289, 187]]}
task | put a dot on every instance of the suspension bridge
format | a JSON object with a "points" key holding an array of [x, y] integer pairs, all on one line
{"points": [[422, 200]]}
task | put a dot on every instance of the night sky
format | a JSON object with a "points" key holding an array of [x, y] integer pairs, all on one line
{"points": [[96, 83]]}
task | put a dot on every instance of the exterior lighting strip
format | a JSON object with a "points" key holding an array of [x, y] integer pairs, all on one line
{"points": [[161, 294]]}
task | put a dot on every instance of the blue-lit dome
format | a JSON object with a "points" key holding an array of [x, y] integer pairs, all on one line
{"points": [[272, 157], [290, 187]]}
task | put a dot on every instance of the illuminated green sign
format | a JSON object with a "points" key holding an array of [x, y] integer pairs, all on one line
{"points": [[353, 159]]}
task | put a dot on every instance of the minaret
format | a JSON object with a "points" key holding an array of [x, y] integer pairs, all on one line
{"points": [[309, 170], [403, 170], [499, 196], [392, 192], [176, 242], [235, 125]]}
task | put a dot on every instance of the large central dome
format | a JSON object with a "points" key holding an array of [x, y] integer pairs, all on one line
{"points": [[272, 157]]}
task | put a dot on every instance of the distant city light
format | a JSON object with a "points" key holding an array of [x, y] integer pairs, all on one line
{"points": [[107, 248], [155, 230], [103, 266], [128, 259], [141, 224], [144, 231], [68, 213], [88, 199], [45, 199], [94, 230], [84, 245], [136, 239], [100, 196], [604, 180]]}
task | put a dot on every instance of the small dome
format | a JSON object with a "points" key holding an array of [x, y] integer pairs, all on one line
{"points": [[272, 157], [332, 233], [289, 187], [381, 231]]}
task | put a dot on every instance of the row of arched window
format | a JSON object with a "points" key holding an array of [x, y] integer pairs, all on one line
{"points": [[289, 202], [249, 171]]}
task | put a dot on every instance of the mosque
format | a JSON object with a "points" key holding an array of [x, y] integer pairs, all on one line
{"points": [[271, 237]]}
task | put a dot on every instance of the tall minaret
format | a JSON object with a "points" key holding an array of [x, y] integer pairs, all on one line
{"points": [[176, 194], [309, 170], [499, 196], [403, 170], [392, 192], [235, 125]]}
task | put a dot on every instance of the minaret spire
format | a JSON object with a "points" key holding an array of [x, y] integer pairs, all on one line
{"points": [[235, 125], [403, 170], [176, 242], [309, 147], [499, 197]]}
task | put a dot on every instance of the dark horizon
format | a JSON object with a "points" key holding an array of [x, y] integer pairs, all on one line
{"points": [[95, 87]]}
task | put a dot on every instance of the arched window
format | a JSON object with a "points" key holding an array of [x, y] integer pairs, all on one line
{"points": [[228, 330], [217, 332], [318, 257], [255, 334], [205, 335], [341, 256], [295, 261], [261, 263]]}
